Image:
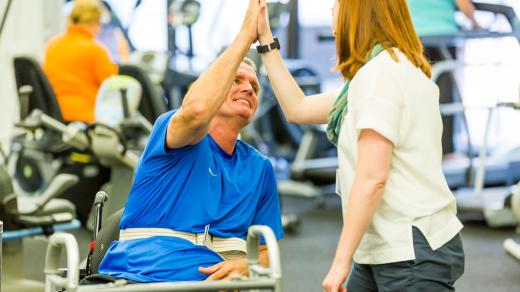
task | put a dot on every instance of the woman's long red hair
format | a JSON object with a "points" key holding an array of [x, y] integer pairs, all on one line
{"points": [[364, 23]]}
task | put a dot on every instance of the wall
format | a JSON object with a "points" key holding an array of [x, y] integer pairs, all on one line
{"points": [[29, 24]]}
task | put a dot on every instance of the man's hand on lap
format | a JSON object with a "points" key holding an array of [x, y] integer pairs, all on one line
{"points": [[226, 270]]}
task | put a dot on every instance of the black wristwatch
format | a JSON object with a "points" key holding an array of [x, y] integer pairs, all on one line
{"points": [[275, 45]]}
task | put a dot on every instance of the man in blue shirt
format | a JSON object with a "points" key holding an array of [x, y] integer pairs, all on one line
{"points": [[198, 188]]}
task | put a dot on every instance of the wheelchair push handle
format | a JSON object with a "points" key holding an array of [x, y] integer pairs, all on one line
{"points": [[99, 201]]}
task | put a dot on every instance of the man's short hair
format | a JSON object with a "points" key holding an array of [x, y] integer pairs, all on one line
{"points": [[249, 62]]}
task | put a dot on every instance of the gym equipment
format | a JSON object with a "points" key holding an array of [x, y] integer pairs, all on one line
{"points": [[186, 13], [118, 146], [489, 201], [510, 245], [501, 168], [117, 22], [40, 95], [4, 16], [107, 144], [180, 73], [177, 84], [307, 146], [152, 104], [38, 155], [26, 216], [115, 143]]}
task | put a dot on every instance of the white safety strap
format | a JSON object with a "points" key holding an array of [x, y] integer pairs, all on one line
{"points": [[217, 244]]}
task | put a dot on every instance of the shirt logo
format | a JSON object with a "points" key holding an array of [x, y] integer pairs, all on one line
{"points": [[211, 172]]}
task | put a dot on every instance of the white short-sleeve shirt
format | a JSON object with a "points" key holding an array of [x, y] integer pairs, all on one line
{"points": [[397, 100]]}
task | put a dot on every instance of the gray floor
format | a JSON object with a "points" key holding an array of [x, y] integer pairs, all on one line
{"points": [[305, 257]]}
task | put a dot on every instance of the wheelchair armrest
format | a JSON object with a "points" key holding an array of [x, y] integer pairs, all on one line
{"points": [[57, 186], [253, 243]]}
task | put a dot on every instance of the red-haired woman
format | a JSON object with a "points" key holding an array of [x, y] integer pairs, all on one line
{"points": [[399, 216]]}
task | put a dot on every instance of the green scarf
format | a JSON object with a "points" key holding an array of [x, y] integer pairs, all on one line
{"points": [[340, 108]]}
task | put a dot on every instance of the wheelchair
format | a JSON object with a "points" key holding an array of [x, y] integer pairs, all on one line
{"points": [[56, 279]]}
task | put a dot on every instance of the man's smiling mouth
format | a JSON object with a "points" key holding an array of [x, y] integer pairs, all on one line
{"points": [[244, 101]]}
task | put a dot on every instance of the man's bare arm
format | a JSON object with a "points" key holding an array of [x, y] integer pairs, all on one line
{"points": [[190, 124]]}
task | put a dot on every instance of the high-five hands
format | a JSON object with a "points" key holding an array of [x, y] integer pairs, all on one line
{"points": [[256, 22], [250, 24], [265, 35]]}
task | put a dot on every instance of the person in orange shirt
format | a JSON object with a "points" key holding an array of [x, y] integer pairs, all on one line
{"points": [[76, 64]]}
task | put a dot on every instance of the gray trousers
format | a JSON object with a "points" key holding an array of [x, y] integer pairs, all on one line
{"points": [[434, 271]]}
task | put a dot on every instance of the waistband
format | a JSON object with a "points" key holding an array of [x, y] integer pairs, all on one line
{"points": [[216, 244]]}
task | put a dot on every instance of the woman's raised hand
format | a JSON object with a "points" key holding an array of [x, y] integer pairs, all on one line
{"points": [[264, 29]]}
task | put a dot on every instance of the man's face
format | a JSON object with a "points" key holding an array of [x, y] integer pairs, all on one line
{"points": [[242, 99]]}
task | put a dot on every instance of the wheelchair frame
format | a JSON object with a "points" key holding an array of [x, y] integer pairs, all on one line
{"points": [[259, 277]]}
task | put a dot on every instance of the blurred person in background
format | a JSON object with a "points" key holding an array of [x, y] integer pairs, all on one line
{"points": [[436, 18], [112, 36], [76, 64]]}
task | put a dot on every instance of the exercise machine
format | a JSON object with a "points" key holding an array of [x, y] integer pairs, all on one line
{"points": [[510, 245], [39, 154]]}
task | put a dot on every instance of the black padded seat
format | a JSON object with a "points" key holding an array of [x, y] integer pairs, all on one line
{"points": [[28, 72], [151, 105]]}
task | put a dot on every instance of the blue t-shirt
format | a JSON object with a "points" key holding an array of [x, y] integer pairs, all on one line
{"points": [[186, 189], [433, 17]]}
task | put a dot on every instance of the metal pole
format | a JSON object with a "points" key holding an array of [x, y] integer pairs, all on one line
{"points": [[293, 31], [481, 170], [4, 17]]}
